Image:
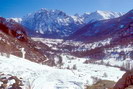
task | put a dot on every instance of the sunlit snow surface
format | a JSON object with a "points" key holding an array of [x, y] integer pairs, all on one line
{"points": [[52, 78]]}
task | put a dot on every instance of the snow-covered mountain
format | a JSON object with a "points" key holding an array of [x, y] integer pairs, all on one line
{"points": [[51, 23], [57, 24], [100, 15], [103, 28]]}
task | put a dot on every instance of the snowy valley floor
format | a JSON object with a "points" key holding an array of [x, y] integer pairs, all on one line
{"points": [[45, 77]]}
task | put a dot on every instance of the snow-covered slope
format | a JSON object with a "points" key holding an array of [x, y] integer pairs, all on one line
{"points": [[42, 77], [57, 24]]}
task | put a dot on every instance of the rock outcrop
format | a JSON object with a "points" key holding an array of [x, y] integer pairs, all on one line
{"points": [[125, 82]]}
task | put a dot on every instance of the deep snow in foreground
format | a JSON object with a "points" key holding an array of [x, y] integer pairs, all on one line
{"points": [[44, 77]]}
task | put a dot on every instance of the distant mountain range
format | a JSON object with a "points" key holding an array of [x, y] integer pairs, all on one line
{"points": [[104, 28], [57, 24]]}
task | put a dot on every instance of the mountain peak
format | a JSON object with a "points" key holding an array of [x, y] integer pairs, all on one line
{"points": [[49, 10], [43, 9], [99, 11], [103, 12]]}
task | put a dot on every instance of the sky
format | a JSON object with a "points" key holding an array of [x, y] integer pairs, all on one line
{"points": [[19, 8]]}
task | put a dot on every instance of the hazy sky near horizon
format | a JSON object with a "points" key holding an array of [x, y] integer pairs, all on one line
{"points": [[19, 8]]}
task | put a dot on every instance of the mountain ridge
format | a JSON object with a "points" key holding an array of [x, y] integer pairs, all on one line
{"points": [[58, 24], [103, 27]]}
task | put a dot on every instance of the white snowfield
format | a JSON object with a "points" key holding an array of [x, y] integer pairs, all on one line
{"points": [[45, 77]]}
